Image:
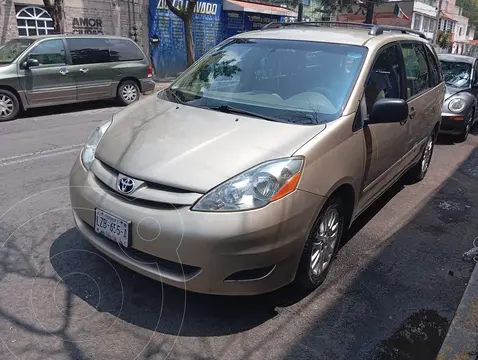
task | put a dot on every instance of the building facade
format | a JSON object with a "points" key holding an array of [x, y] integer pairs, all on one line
{"points": [[109, 17], [424, 18]]}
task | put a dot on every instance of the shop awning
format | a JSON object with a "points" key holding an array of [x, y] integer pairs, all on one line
{"points": [[233, 5]]}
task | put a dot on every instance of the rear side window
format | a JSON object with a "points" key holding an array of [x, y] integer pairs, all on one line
{"points": [[123, 50], [88, 51], [416, 68], [435, 77]]}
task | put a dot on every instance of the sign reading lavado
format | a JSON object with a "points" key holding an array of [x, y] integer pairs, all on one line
{"points": [[211, 25]]}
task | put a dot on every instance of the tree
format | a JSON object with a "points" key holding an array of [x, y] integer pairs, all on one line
{"points": [[186, 15], [57, 12], [365, 7]]}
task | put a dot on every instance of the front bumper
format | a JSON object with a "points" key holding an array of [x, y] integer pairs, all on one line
{"points": [[451, 126], [240, 253]]}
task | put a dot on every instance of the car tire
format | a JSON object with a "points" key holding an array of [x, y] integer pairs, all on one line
{"points": [[325, 235], [128, 92], [469, 123], [9, 105], [419, 170]]}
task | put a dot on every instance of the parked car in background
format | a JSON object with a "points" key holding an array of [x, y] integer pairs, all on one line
{"points": [[459, 109], [244, 174], [62, 69]]}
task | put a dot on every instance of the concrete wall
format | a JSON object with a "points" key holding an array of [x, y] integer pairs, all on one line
{"points": [[109, 17]]}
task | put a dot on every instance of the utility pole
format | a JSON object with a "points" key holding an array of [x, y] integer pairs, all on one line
{"points": [[437, 22], [300, 12]]}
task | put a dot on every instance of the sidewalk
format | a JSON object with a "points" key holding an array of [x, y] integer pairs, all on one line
{"points": [[161, 85], [461, 341]]}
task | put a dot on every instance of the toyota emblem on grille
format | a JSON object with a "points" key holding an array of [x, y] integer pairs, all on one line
{"points": [[125, 185]]}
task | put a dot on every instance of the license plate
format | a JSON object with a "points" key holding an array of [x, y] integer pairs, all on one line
{"points": [[113, 227]]}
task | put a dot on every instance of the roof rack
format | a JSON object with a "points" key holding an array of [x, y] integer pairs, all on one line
{"points": [[374, 29], [274, 25], [379, 30]]}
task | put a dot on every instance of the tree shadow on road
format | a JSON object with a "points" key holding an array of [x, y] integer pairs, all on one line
{"points": [[69, 108]]}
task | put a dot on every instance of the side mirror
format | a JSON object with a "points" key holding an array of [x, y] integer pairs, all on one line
{"points": [[30, 62], [389, 111]]}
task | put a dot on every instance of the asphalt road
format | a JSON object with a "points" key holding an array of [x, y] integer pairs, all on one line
{"points": [[396, 282]]}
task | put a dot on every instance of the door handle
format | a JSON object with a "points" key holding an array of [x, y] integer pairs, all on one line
{"points": [[64, 71], [412, 113], [84, 70]]}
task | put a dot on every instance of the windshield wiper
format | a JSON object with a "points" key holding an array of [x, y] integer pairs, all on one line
{"points": [[175, 96], [233, 110]]}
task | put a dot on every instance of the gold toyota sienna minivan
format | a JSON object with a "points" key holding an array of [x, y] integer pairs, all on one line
{"points": [[245, 173]]}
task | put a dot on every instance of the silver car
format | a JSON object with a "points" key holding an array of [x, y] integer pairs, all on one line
{"points": [[459, 109]]}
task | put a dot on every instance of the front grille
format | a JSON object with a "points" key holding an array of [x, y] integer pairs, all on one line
{"points": [[149, 184], [136, 201]]}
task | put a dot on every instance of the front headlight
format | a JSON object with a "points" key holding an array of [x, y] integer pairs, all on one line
{"points": [[88, 153], [457, 105], [255, 187]]}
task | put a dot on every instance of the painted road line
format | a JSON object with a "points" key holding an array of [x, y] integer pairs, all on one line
{"points": [[17, 159]]}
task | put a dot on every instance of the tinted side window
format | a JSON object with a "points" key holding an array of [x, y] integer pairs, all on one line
{"points": [[416, 68], [51, 52], [384, 79], [123, 50], [434, 69], [88, 51]]}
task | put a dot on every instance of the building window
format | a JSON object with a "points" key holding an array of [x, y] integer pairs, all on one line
{"points": [[417, 21], [426, 23], [431, 27], [32, 20], [459, 30]]}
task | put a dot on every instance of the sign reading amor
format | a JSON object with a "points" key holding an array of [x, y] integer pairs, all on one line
{"points": [[87, 26]]}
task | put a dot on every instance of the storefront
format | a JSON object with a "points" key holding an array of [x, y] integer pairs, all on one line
{"points": [[213, 21]]}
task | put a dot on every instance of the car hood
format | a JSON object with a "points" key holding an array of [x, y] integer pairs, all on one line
{"points": [[191, 148], [451, 91]]}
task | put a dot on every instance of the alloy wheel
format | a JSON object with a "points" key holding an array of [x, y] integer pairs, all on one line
{"points": [[129, 93], [427, 154], [324, 242], [7, 106]]}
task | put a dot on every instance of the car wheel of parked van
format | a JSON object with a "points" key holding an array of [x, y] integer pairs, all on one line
{"points": [[418, 172], [128, 92], [321, 246], [9, 105]]}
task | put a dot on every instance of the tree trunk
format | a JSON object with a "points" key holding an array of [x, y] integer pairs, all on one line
{"points": [[57, 14], [188, 32], [369, 13]]}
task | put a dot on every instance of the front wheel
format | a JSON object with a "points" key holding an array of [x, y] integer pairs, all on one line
{"points": [[128, 92], [9, 105], [418, 172], [321, 246]]}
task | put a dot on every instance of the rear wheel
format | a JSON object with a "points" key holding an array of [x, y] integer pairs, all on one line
{"points": [[418, 172], [9, 105], [128, 92], [321, 246]]}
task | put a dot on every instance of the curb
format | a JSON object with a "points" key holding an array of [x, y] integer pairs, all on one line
{"points": [[461, 341]]}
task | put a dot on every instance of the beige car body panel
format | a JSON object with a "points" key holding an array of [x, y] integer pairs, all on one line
{"points": [[182, 148]]}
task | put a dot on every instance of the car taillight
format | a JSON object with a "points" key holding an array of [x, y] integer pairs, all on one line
{"points": [[150, 71]]}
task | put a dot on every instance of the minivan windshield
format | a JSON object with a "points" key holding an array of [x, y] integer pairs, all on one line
{"points": [[13, 49], [280, 80], [456, 74]]}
